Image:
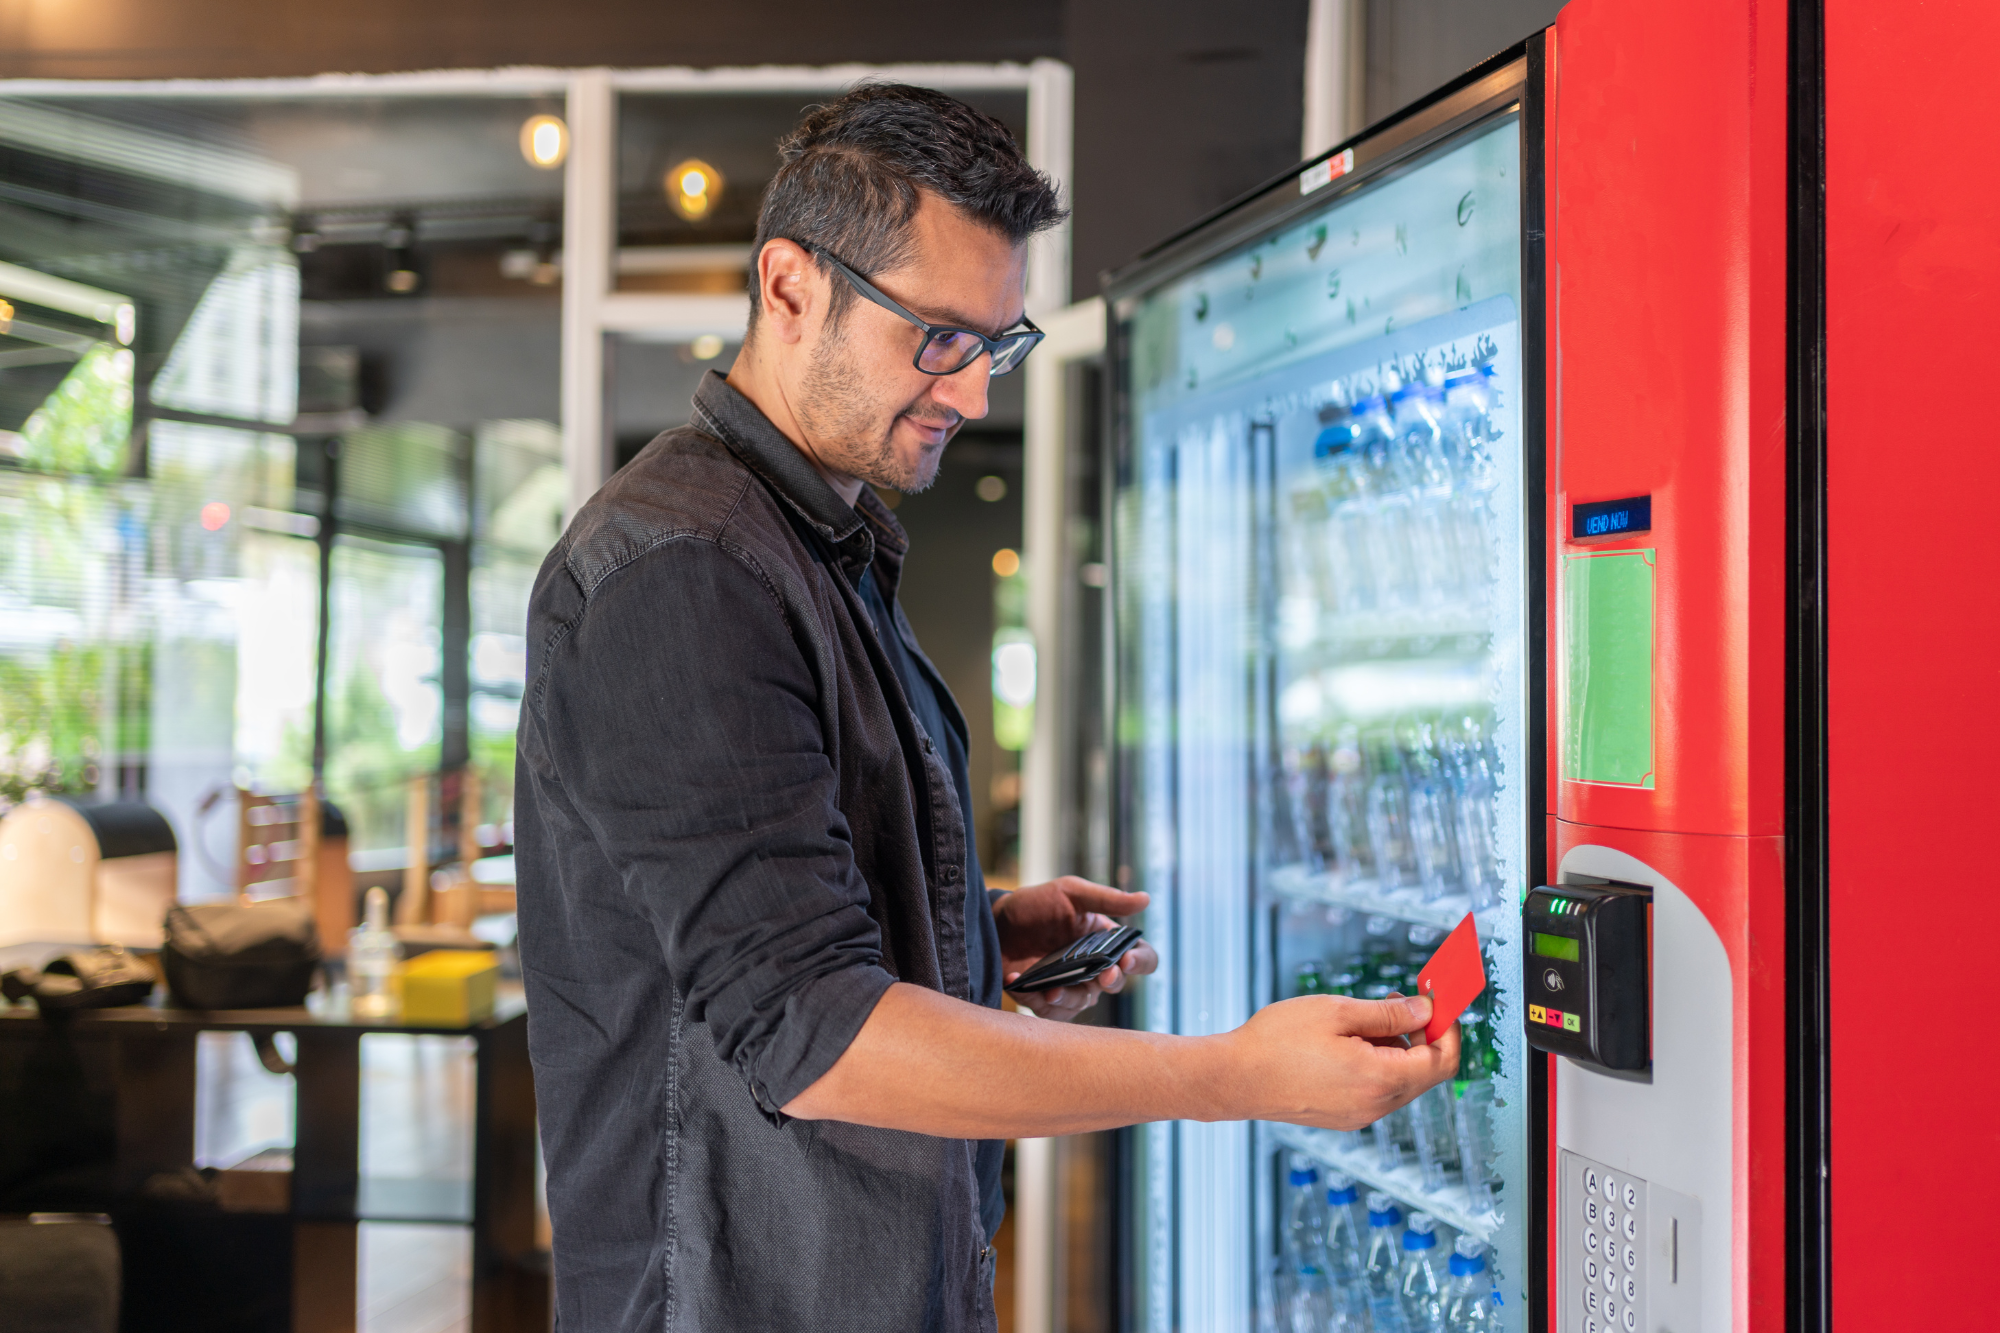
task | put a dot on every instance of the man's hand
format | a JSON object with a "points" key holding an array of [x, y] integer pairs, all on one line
{"points": [[1338, 1063], [1047, 918]]}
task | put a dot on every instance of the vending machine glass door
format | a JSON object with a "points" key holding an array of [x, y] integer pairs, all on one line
{"points": [[1320, 581]]}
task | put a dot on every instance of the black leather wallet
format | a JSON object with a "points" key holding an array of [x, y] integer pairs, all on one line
{"points": [[1079, 963]]}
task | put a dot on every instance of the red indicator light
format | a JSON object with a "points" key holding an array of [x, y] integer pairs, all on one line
{"points": [[214, 514]]}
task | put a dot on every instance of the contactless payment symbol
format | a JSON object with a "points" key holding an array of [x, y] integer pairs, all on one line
{"points": [[1552, 979]]}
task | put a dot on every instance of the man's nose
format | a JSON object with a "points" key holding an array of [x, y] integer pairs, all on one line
{"points": [[965, 391]]}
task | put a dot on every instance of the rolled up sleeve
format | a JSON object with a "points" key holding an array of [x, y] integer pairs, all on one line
{"points": [[682, 722]]}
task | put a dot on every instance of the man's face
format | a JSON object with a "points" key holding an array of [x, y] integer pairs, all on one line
{"points": [[865, 409]]}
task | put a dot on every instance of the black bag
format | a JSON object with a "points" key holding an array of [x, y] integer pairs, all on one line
{"points": [[88, 979], [230, 956]]}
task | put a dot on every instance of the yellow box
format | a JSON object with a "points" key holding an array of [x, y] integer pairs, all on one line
{"points": [[449, 986]]}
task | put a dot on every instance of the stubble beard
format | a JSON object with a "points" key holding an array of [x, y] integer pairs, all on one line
{"points": [[846, 429]]}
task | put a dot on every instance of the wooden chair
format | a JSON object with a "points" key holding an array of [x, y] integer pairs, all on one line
{"points": [[277, 846], [281, 854], [440, 903]]}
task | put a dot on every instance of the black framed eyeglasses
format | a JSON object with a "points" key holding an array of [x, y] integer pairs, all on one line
{"points": [[945, 350]]}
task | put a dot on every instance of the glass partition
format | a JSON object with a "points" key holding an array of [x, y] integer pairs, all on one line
{"points": [[250, 347]]}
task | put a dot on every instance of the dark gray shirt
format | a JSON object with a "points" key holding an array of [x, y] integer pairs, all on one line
{"points": [[942, 719], [732, 834]]}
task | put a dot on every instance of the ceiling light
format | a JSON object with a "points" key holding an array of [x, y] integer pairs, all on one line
{"points": [[544, 141], [693, 188], [707, 347]]}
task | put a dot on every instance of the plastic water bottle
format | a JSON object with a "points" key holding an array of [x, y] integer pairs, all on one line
{"points": [[374, 961], [1309, 1307], [1344, 1251], [1419, 1285], [1382, 1269], [1472, 1108], [1469, 1306], [1475, 789]]}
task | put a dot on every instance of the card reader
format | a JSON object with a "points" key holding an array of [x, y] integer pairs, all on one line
{"points": [[1588, 973]]}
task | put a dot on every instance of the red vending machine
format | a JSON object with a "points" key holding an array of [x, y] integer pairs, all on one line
{"points": [[1773, 234], [1668, 623], [1553, 504]]}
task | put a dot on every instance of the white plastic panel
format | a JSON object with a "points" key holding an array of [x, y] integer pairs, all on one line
{"points": [[1673, 1131]]}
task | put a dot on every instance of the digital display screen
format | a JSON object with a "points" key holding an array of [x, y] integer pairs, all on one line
{"points": [[1611, 518], [1564, 947]]}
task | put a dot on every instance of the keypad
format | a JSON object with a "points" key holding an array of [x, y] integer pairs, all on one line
{"points": [[1602, 1216]]}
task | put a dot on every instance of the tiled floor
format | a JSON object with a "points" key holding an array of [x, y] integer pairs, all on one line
{"points": [[416, 1161], [414, 1278]]}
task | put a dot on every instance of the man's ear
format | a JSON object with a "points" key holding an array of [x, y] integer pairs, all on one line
{"points": [[788, 290]]}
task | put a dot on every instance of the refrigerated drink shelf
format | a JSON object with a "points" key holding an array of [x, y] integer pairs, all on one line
{"points": [[1451, 1205], [1442, 913]]}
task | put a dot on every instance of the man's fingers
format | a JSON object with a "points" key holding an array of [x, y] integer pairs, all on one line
{"points": [[1422, 1066], [1088, 897], [1392, 1017]]}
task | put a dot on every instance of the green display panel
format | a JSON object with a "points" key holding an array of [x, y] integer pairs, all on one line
{"points": [[1608, 645], [1554, 946]]}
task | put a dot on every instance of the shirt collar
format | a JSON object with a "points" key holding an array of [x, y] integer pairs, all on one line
{"points": [[863, 533], [737, 422]]}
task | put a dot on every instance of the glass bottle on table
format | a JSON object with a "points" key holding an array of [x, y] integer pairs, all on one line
{"points": [[374, 961]]}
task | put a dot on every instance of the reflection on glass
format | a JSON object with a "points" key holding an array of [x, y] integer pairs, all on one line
{"points": [[384, 708], [518, 510], [1321, 621], [224, 319]]}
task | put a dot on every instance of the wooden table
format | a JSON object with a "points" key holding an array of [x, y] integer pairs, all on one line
{"points": [[148, 1055]]}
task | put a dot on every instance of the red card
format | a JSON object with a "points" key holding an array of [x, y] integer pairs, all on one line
{"points": [[1452, 978]]}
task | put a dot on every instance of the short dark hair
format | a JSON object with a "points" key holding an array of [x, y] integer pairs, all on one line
{"points": [[852, 176]]}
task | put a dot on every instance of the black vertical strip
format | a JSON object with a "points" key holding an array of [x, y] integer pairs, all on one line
{"points": [[1534, 495], [455, 637], [455, 640], [1807, 1180], [329, 487]]}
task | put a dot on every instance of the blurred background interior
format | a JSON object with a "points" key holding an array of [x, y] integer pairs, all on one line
{"points": [[303, 361]]}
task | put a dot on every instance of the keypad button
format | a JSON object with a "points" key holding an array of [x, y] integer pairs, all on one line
{"points": [[1589, 1181], [1631, 1319], [1590, 1242], [1590, 1211], [1631, 1259], [1590, 1300], [1631, 1227], [1610, 1189], [1610, 1280], [1610, 1311], [1631, 1289], [1590, 1326], [1610, 1251], [1631, 1197], [1611, 1219], [1590, 1270]]}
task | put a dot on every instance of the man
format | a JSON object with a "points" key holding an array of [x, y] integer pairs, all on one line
{"points": [[763, 975]]}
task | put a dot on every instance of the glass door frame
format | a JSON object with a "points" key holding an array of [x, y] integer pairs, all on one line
{"points": [[1512, 81]]}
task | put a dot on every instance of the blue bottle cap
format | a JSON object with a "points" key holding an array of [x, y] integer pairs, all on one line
{"points": [[1419, 1240], [1303, 1175], [1463, 1265], [1343, 1196], [1334, 439]]}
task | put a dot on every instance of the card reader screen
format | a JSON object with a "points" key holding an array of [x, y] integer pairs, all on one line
{"points": [[1554, 946]]}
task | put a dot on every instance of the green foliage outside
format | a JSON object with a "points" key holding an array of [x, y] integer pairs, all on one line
{"points": [[83, 427]]}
